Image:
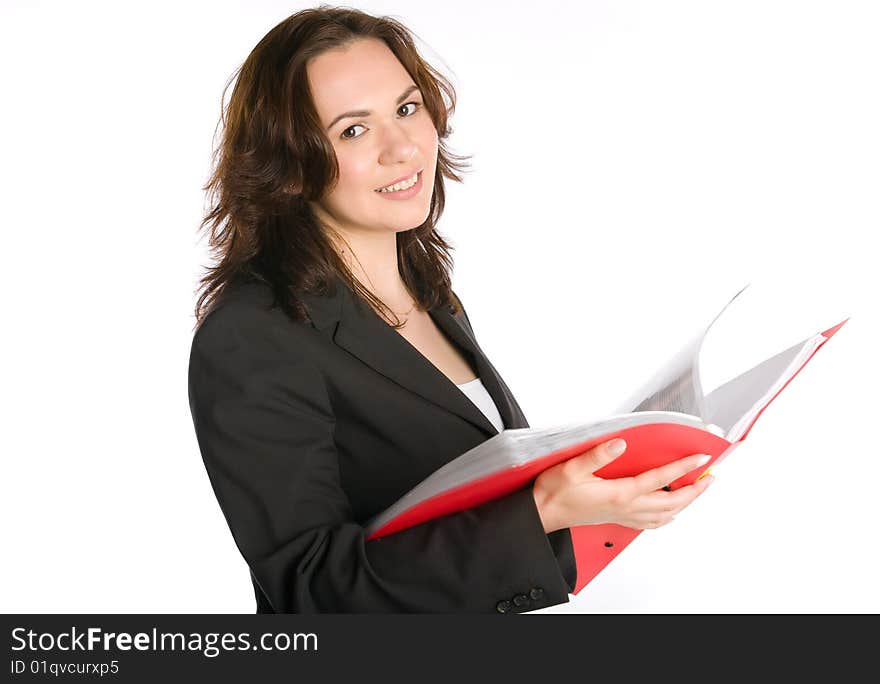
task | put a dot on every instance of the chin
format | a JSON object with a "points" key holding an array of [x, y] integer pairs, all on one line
{"points": [[416, 218], [421, 221]]}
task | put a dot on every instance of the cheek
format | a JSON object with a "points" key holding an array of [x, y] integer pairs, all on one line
{"points": [[429, 138], [354, 173]]}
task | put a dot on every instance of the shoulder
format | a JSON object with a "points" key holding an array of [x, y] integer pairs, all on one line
{"points": [[457, 307], [459, 313], [249, 359], [245, 313]]}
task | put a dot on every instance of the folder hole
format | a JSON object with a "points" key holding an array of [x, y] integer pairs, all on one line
{"points": [[609, 544]]}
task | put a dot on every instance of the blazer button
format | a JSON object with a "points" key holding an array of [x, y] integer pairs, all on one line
{"points": [[536, 593], [520, 600], [504, 606]]}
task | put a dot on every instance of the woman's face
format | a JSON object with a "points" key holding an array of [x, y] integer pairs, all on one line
{"points": [[375, 119]]}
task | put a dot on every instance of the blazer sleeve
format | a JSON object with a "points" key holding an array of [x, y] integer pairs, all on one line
{"points": [[264, 424]]}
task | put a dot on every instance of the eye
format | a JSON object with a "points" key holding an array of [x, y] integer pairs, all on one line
{"points": [[415, 105], [350, 137]]}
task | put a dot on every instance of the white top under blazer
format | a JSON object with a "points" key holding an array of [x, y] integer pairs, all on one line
{"points": [[476, 392]]}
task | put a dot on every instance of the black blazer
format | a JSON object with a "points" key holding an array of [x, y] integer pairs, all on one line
{"points": [[308, 429]]}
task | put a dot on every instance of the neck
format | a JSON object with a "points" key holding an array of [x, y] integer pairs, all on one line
{"points": [[372, 259]]}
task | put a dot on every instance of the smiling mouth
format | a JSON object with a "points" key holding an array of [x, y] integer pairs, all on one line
{"points": [[401, 185]]}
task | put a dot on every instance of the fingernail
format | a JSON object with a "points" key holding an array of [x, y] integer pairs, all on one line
{"points": [[704, 459], [616, 447]]}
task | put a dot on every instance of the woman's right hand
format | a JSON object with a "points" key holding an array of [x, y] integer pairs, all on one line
{"points": [[570, 493]]}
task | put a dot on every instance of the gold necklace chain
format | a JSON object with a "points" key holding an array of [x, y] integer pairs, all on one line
{"points": [[406, 313]]}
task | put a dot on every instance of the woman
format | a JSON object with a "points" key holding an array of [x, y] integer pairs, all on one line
{"points": [[333, 368]]}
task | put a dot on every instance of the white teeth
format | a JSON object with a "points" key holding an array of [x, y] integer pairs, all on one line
{"points": [[402, 185]]}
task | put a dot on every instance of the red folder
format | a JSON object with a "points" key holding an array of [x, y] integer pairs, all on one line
{"points": [[648, 446]]}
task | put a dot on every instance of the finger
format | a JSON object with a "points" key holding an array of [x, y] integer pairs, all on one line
{"points": [[659, 501], [649, 520], [661, 476], [702, 484], [600, 455], [673, 502]]}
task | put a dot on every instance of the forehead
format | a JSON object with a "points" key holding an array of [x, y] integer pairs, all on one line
{"points": [[364, 74]]}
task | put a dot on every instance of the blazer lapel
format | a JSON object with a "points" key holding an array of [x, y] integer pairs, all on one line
{"points": [[511, 415], [355, 327]]}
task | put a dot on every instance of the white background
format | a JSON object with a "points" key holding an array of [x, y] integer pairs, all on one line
{"points": [[635, 164]]}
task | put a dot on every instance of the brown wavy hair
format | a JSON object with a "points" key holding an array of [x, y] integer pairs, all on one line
{"points": [[273, 158]]}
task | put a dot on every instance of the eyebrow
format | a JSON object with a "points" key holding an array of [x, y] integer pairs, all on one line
{"points": [[364, 112]]}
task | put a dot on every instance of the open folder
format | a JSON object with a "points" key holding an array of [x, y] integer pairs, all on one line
{"points": [[668, 418]]}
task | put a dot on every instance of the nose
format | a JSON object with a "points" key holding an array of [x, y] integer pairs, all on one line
{"points": [[398, 145]]}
